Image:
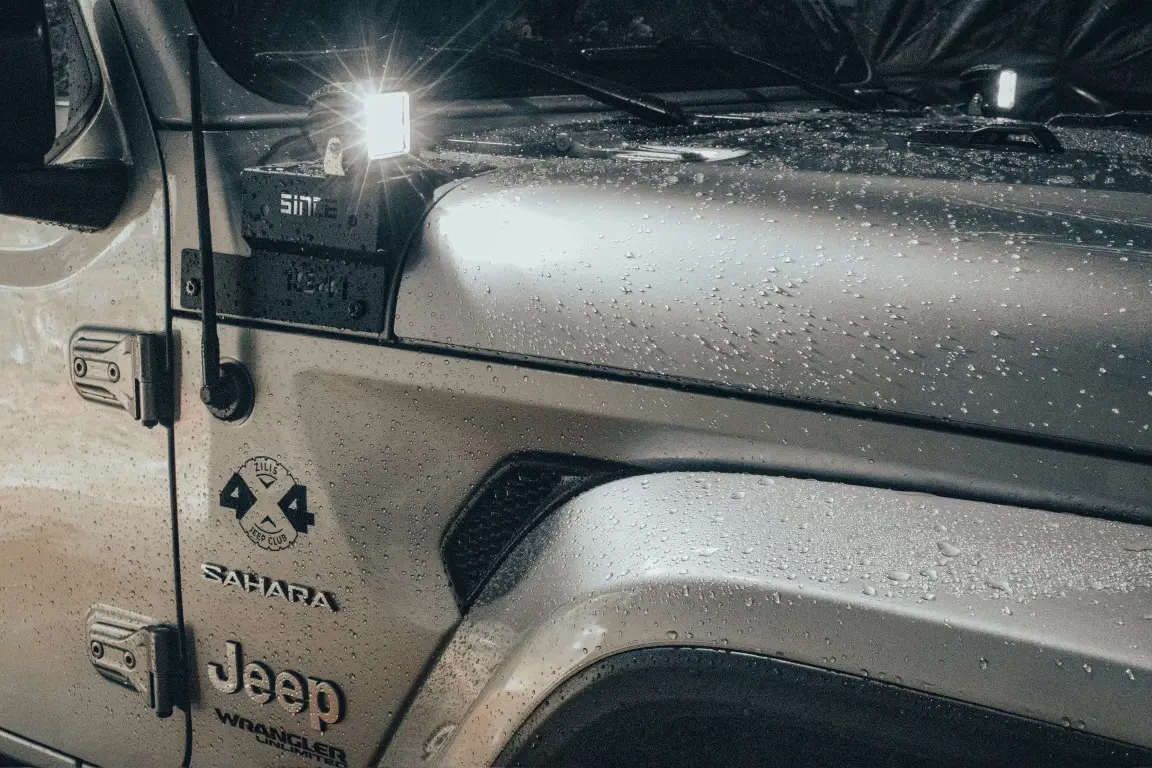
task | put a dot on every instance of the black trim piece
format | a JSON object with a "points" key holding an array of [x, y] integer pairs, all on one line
{"points": [[270, 121], [294, 288], [85, 196], [519, 492], [998, 136], [673, 707], [27, 117]]}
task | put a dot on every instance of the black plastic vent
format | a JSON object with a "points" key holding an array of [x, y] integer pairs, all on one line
{"points": [[514, 496]]}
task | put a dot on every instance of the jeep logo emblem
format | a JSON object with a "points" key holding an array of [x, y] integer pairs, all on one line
{"points": [[321, 699]]}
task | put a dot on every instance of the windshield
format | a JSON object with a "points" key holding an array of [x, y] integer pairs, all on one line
{"points": [[286, 49], [1073, 56]]}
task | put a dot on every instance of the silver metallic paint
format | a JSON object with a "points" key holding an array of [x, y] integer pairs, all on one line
{"points": [[946, 464], [1037, 613], [85, 511], [17, 748], [1020, 308], [390, 442]]}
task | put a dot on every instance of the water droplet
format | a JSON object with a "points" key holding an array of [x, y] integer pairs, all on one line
{"points": [[671, 635], [948, 550], [998, 584], [438, 739]]}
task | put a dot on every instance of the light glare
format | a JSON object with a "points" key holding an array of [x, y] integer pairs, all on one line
{"points": [[1006, 89], [388, 125]]}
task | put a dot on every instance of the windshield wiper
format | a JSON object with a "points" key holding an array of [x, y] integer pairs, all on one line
{"points": [[834, 93], [637, 103]]}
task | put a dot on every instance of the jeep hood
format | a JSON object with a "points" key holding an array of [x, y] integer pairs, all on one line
{"points": [[1004, 292]]}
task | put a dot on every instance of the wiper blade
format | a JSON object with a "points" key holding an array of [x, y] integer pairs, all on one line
{"points": [[832, 92], [643, 105]]}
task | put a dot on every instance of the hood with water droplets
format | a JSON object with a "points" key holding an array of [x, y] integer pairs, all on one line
{"points": [[990, 300]]}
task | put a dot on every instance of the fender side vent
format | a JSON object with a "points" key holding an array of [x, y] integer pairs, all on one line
{"points": [[506, 505]]}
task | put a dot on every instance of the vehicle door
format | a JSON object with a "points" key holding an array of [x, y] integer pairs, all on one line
{"points": [[89, 608]]}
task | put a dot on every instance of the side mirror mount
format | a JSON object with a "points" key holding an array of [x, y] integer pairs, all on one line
{"points": [[27, 93], [84, 195]]}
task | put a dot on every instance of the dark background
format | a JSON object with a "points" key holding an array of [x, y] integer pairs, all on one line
{"points": [[1075, 55]]}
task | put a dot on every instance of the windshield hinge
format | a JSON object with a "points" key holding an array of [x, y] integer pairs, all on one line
{"points": [[1023, 137], [134, 651], [125, 370]]}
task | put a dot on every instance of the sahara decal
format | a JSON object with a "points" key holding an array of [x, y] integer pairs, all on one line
{"points": [[252, 583], [271, 507], [286, 741], [321, 699]]}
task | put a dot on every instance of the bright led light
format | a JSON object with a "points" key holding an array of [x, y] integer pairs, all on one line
{"points": [[1006, 89], [388, 125]]}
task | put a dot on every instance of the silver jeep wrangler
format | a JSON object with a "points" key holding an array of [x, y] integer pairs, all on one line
{"points": [[576, 383]]}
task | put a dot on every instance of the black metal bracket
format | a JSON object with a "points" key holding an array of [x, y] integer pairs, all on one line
{"points": [[342, 294], [1023, 137]]}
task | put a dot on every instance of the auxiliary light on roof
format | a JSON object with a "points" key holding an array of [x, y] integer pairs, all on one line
{"points": [[1006, 89], [388, 125]]}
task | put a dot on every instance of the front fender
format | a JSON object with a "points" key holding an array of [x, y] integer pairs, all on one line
{"points": [[1037, 613]]}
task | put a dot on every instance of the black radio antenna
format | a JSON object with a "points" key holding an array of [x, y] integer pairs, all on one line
{"points": [[227, 389]]}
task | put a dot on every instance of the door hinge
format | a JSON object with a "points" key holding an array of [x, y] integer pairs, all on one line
{"points": [[125, 370], [136, 652]]}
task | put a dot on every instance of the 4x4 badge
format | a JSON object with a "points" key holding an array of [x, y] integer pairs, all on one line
{"points": [[270, 505]]}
